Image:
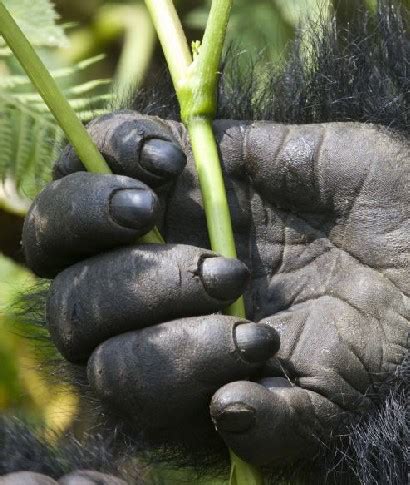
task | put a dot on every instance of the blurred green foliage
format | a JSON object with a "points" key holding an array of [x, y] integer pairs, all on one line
{"points": [[11, 277], [23, 391]]}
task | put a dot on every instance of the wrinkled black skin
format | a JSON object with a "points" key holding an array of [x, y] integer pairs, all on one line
{"points": [[322, 229], [319, 215]]}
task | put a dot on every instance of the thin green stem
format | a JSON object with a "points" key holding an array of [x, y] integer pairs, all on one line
{"points": [[197, 92], [172, 38], [209, 59], [213, 191], [56, 101], [210, 54], [212, 186], [51, 94]]}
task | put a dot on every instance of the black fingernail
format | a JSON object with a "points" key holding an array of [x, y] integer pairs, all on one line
{"points": [[256, 342], [224, 278], [162, 158], [134, 208], [234, 418]]}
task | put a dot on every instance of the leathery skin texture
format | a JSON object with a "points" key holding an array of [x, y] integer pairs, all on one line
{"points": [[320, 215]]}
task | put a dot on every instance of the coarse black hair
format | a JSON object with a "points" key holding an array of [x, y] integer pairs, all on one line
{"points": [[355, 72], [25, 447], [374, 450]]}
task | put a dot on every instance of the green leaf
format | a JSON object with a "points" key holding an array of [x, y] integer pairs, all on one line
{"points": [[243, 473], [37, 19]]}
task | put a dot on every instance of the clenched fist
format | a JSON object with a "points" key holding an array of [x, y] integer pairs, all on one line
{"points": [[321, 220]]}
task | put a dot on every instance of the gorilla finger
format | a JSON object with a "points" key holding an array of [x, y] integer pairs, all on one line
{"points": [[26, 478], [165, 375], [84, 214], [138, 146], [136, 287], [90, 477], [270, 426]]}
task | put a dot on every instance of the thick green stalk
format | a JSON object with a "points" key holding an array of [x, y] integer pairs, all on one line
{"points": [[197, 91], [196, 87], [172, 38], [56, 101]]}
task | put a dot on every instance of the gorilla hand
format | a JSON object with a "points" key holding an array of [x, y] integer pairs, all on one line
{"points": [[157, 302], [319, 214]]}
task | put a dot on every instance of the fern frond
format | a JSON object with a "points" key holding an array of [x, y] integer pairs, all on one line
{"points": [[23, 151], [37, 19], [18, 80], [30, 138], [78, 104], [6, 140]]}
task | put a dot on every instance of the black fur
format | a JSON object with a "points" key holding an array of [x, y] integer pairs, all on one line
{"points": [[378, 447], [212, 458], [359, 73], [374, 450], [24, 448], [330, 73]]}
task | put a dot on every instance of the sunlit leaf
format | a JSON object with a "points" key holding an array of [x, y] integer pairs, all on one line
{"points": [[37, 19]]}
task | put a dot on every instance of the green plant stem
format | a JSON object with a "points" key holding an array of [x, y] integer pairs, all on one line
{"points": [[56, 101], [172, 38], [213, 191], [195, 84], [197, 92], [210, 56]]}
